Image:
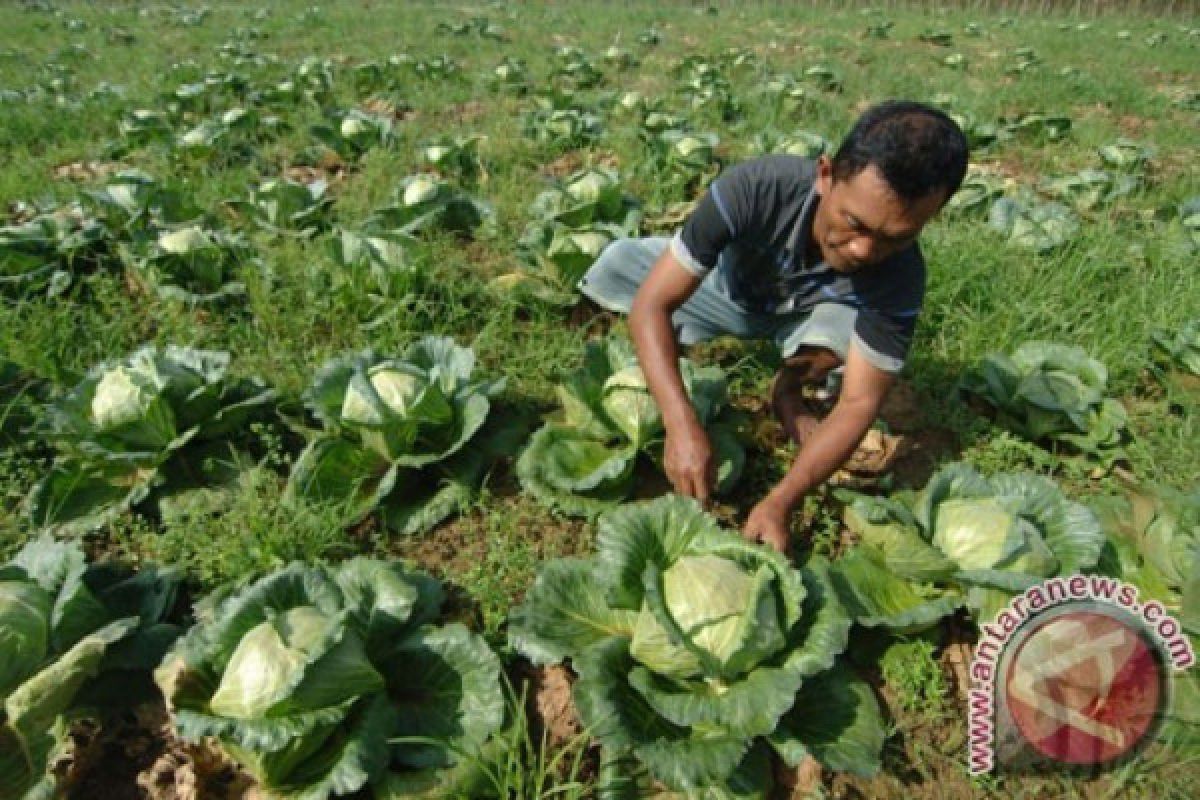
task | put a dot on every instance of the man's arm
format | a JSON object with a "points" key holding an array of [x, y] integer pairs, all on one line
{"points": [[864, 387], [687, 454]]}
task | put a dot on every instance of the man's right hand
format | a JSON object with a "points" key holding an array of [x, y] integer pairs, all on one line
{"points": [[689, 463]]}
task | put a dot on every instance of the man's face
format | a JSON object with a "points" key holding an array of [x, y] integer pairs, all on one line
{"points": [[860, 221]]}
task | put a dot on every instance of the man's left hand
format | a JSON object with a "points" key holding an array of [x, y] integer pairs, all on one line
{"points": [[768, 523]]}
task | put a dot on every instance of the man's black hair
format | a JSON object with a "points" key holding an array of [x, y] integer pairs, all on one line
{"points": [[918, 149]]}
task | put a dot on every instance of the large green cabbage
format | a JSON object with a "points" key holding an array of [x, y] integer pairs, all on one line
{"points": [[583, 462], [194, 265], [412, 436], [572, 222], [323, 681], [76, 640], [147, 422], [426, 203], [1052, 391], [698, 652], [1154, 543], [963, 540]]}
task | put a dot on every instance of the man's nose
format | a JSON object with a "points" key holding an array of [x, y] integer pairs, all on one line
{"points": [[862, 248]]}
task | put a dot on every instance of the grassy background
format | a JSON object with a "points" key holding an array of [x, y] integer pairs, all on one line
{"points": [[1106, 291]]}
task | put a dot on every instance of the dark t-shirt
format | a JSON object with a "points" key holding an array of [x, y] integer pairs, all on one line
{"points": [[753, 225]]}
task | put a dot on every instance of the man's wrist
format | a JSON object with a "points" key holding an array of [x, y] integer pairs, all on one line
{"points": [[682, 420], [779, 501]]}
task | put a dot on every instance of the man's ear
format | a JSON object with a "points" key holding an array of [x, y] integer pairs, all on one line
{"points": [[824, 175]]}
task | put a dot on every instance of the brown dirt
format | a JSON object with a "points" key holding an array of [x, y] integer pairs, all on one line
{"points": [[330, 174], [925, 451], [85, 171], [549, 705], [383, 107], [137, 757], [576, 160], [910, 453], [798, 783]]}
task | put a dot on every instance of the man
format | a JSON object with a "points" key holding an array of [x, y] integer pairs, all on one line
{"points": [[819, 256]]}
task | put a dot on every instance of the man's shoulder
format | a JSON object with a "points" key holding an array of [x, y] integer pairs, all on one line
{"points": [[774, 168], [896, 284]]}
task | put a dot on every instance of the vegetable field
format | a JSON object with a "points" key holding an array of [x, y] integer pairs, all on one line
{"points": [[319, 478]]}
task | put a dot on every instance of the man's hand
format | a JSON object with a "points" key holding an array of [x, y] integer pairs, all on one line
{"points": [[768, 523], [689, 463]]}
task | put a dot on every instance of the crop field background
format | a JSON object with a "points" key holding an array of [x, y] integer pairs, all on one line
{"points": [[89, 91]]}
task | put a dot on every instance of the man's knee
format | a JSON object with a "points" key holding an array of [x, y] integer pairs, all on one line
{"points": [[808, 367]]}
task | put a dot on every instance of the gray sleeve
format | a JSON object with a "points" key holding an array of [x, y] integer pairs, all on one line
{"points": [[884, 338], [725, 212]]}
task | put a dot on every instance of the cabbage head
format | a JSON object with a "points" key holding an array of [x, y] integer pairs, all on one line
{"points": [[697, 653], [583, 462], [411, 436], [965, 539], [129, 426], [629, 404], [309, 676]]}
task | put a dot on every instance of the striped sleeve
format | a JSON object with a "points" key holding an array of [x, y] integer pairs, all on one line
{"points": [[705, 233]]}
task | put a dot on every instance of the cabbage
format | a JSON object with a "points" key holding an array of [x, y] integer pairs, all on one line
{"points": [[629, 404], [402, 435], [697, 651], [963, 539], [395, 387], [585, 462], [316, 680], [77, 641], [977, 533], [131, 426], [284, 658], [184, 240], [353, 126]]}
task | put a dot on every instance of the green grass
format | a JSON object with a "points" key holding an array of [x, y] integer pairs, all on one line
{"points": [[1105, 292]]}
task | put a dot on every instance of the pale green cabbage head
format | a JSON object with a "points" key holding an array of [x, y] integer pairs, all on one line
{"points": [[396, 388], [121, 397], [981, 533], [288, 660], [590, 187], [353, 126], [420, 190], [184, 240], [629, 404], [712, 599]]}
